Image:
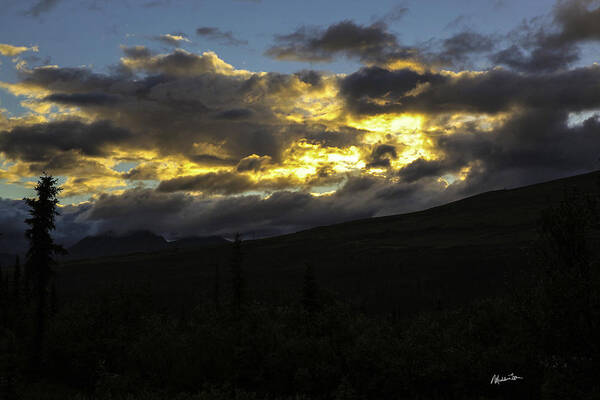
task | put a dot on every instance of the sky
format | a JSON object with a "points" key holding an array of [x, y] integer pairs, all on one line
{"points": [[202, 117]]}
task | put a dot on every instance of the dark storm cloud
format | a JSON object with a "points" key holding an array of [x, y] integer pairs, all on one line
{"points": [[421, 168], [458, 48], [540, 59], [282, 212], [82, 99], [182, 99], [253, 163], [64, 81], [499, 90], [211, 160], [537, 45], [577, 21], [380, 83], [142, 172], [137, 52], [225, 37], [533, 138], [211, 183], [381, 155], [150, 204], [311, 77], [372, 44], [41, 141], [197, 108], [532, 146], [533, 142], [339, 138], [68, 163], [177, 63], [551, 47], [151, 106], [490, 91], [12, 222], [236, 113], [223, 182]]}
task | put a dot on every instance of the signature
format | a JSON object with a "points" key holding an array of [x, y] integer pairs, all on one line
{"points": [[497, 379]]}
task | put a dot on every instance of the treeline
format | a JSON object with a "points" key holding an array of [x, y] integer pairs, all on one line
{"points": [[118, 345]]}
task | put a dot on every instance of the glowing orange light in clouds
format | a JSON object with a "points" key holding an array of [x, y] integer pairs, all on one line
{"points": [[404, 131], [304, 159]]}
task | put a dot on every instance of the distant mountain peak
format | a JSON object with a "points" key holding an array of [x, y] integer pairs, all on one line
{"points": [[111, 243]]}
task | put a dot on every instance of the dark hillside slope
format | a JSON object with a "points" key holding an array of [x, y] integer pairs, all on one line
{"points": [[499, 218], [439, 257]]}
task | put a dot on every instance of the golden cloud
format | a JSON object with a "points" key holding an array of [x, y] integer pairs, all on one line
{"points": [[10, 50], [194, 123]]}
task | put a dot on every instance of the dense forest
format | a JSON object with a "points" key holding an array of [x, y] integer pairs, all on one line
{"points": [[538, 338]]}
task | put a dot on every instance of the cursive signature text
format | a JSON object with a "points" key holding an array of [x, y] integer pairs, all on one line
{"points": [[497, 379]]}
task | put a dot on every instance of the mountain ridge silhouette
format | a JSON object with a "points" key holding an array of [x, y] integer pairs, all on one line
{"points": [[453, 253], [110, 243]]}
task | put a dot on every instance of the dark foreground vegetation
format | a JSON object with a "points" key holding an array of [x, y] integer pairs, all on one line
{"points": [[123, 343]]}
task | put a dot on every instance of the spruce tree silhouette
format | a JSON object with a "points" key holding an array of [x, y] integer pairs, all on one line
{"points": [[40, 257]]}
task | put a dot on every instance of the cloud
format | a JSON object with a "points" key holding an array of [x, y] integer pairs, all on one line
{"points": [[381, 155], [179, 62], [11, 51], [41, 7], [211, 183], [186, 143], [223, 183], [281, 212], [137, 52], [40, 141], [375, 45], [175, 114], [368, 43], [458, 48], [78, 99], [422, 168], [395, 14], [236, 113], [179, 214], [253, 163], [217, 34], [12, 220], [175, 40], [540, 59], [375, 90], [547, 47], [577, 21], [532, 146]]}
